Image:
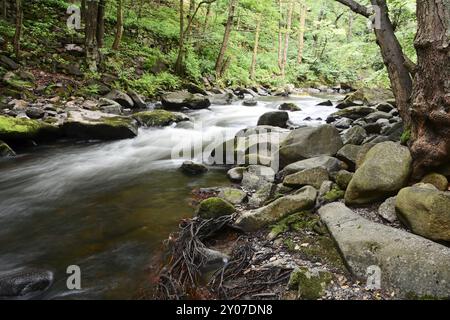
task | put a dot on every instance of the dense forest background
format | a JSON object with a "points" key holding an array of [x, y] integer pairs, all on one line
{"points": [[227, 43]]}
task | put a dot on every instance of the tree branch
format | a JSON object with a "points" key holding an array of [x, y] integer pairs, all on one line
{"points": [[356, 7]]}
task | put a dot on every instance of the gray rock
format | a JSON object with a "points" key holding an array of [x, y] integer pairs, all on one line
{"points": [[373, 117], [232, 195], [250, 103], [353, 113], [121, 98], [385, 170], [387, 210], [410, 265], [253, 220], [349, 154], [34, 112], [183, 99], [192, 168], [236, 174], [343, 179], [385, 107], [354, 135], [330, 163], [139, 103], [25, 283], [312, 177], [274, 118], [256, 177], [344, 123], [109, 106], [6, 151]]}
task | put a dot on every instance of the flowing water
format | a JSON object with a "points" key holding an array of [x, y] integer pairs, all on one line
{"points": [[107, 207]]}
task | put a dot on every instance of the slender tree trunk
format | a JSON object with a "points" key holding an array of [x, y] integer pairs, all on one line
{"points": [[119, 25], [18, 33], [430, 121], [190, 16], [255, 48], [4, 8], [286, 40], [226, 37], [207, 18], [301, 33], [101, 23], [92, 52], [83, 10], [280, 36], [179, 69]]}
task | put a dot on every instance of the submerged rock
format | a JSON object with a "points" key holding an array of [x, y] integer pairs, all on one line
{"points": [[192, 168], [214, 207], [289, 107], [410, 265], [253, 220], [274, 118], [425, 211], [385, 170], [5, 150], [26, 283]]}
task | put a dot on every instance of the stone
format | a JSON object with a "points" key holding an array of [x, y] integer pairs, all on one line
{"points": [[309, 142], [274, 118], [138, 102], [289, 106], [213, 208], [250, 103], [25, 283], [353, 113], [35, 112], [375, 116], [411, 266], [355, 135], [330, 163], [183, 99], [425, 212], [349, 155], [313, 177], [253, 220], [121, 98], [344, 123], [385, 107], [437, 180], [385, 170], [327, 103], [343, 179], [21, 130], [108, 106], [6, 151], [256, 176], [236, 174], [192, 168], [159, 118], [387, 210], [310, 282], [232, 195]]}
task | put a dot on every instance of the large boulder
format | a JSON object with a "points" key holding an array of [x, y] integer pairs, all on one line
{"points": [[121, 98], [159, 118], [312, 177], [309, 142], [355, 135], [274, 118], [349, 154], [21, 131], [193, 169], [425, 211], [409, 265], [138, 101], [24, 283], [183, 99], [385, 170], [232, 195], [330, 163], [253, 220], [214, 207], [94, 125]]}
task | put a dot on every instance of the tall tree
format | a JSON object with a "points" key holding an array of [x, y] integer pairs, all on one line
{"points": [[91, 44], [286, 39], [280, 35], [19, 26], [301, 32], [430, 121], [101, 23], [226, 37], [255, 48], [119, 25]]}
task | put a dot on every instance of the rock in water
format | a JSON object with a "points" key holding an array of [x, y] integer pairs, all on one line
{"points": [[236, 174], [289, 107], [6, 151], [214, 207], [20, 131], [309, 142], [25, 283], [183, 99], [253, 220], [409, 264], [385, 170], [274, 118], [425, 211], [159, 118], [192, 168]]}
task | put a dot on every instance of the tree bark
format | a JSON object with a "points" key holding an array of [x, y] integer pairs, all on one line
{"points": [[179, 68], [18, 33], [92, 52], [255, 48], [301, 33], [119, 25], [286, 40], [430, 121], [83, 10], [226, 37], [101, 23], [280, 36]]}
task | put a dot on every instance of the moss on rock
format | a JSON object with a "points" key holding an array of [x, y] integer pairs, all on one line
{"points": [[214, 207], [335, 194], [311, 283], [437, 180], [158, 118], [18, 130]]}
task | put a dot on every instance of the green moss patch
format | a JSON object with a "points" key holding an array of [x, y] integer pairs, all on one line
{"points": [[158, 118]]}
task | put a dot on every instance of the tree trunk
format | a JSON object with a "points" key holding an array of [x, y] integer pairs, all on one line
{"points": [[4, 8], [226, 37], [301, 33], [18, 33], [255, 48], [190, 16], [286, 40], [101, 23], [179, 69], [280, 36], [92, 52], [207, 18], [392, 54], [430, 121], [119, 25]]}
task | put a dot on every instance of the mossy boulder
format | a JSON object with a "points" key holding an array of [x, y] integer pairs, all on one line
{"points": [[437, 180], [5, 150], [343, 179], [310, 283], [19, 130], [313, 177], [183, 99], [425, 211], [290, 107], [334, 194], [385, 170], [94, 125], [159, 118], [214, 207], [232, 195]]}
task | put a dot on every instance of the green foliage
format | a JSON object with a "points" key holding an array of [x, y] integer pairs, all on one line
{"points": [[406, 136], [150, 84]]}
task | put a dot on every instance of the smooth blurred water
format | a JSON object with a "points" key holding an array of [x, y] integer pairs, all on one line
{"points": [[107, 206]]}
